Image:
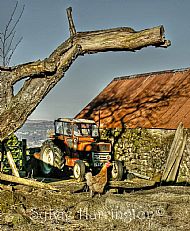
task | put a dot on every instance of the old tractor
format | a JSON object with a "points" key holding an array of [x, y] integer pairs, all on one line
{"points": [[76, 146]]}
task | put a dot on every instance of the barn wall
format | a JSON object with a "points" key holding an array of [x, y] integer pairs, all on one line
{"points": [[145, 151]]}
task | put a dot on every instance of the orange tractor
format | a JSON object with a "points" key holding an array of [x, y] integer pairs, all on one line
{"points": [[76, 145]]}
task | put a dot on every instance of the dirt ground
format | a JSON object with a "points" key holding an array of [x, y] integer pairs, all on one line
{"points": [[71, 208]]}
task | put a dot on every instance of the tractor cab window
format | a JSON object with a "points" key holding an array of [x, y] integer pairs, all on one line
{"points": [[67, 127], [76, 129], [58, 127], [82, 129], [95, 132], [85, 129]]}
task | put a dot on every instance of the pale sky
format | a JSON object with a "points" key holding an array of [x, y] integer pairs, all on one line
{"points": [[44, 26]]}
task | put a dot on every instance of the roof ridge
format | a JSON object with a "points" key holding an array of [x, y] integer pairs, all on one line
{"points": [[150, 73]]}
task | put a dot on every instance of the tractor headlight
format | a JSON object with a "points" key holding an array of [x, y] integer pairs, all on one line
{"points": [[108, 157], [75, 142]]}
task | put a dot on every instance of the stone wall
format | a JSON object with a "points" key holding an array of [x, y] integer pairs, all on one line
{"points": [[184, 171], [145, 151]]}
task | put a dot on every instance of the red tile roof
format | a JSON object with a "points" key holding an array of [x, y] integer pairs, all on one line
{"points": [[151, 100]]}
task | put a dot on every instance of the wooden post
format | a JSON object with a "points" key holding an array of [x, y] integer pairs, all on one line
{"points": [[27, 182], [175, 155], [173, 174], [173, 151]]}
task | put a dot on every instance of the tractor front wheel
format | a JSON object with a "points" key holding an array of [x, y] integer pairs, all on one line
{"points": [[51, 158], [79, 170], [117, 170]]}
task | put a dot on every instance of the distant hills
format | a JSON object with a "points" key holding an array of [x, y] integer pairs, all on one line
{"points": [[35, 131]]}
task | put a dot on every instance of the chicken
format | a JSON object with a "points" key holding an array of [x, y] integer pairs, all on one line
{"points": [[98, 182]]}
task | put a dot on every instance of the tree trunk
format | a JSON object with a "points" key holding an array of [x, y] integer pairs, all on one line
{"points": [[42, 75]]}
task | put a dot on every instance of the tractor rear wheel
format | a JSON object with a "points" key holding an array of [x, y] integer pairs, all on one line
{"points": [[79, 170], [51, 158], [117, 170]]}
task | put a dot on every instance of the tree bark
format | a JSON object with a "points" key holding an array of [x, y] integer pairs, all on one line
{"points": [[42, 75]]}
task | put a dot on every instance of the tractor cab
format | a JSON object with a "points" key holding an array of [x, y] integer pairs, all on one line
{"points": [[77, 134], [76, 127]]}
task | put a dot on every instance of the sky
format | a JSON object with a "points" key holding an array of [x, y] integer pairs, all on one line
{"points": [[44, 26]]}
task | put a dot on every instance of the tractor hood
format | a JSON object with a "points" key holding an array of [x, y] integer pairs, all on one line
{"points": [[87, 145]]}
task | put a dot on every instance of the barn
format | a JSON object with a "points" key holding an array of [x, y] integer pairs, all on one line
{"points": [[140, 115]]}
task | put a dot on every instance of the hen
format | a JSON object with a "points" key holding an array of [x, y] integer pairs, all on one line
{"points": [[98, 182]]}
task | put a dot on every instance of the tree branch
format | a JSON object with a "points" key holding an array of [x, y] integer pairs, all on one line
{"points": [[12, 51], [43, 75], [3, 68], [10, 44], [6, 38], [71, 23], [118, 39], [15, 24], [10, 20]]}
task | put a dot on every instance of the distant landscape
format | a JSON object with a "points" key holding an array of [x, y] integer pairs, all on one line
{"points": [[35, 131]]}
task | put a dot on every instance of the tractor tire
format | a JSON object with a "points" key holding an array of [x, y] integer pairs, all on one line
{"points": [[117, 171], [79, 170], [52, 159]]}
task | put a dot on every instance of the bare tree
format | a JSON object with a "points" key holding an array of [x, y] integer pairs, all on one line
{"points": [[8, 44], [42, 75]]}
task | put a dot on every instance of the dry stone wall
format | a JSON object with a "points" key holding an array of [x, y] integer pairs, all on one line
{"points": [[145, 151]]}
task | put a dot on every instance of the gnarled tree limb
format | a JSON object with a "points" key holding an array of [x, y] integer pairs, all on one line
{"points": [[43, 75]]}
